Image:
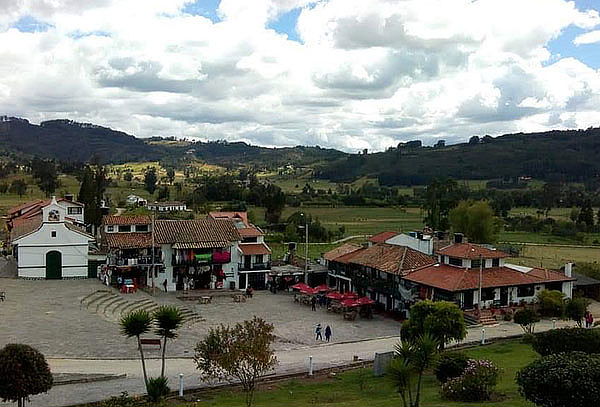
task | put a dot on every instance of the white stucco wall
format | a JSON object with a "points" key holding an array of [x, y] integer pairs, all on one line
{"points": [[423, 246], [32, 250]]}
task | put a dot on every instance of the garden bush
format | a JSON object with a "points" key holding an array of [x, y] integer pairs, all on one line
{"points": [[451, 364], [567, 379], [567, 340], [475, 384], [158, 388], [527, 318], [551, 303]]}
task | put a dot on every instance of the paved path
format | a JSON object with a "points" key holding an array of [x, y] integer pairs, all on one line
{"points": [[290, 361]]}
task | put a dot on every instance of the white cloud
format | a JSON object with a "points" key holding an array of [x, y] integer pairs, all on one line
{"points": [[367, 75], [591, 37]]}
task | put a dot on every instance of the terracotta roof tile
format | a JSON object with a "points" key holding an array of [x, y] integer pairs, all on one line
{"points": [[127, 220], [231, 216], [191, 231], [341, 251], [470, 251], [452, 279], [24, 225], [250, 232], [128, 240], [382, 237], [390, 258], [254, 249]]}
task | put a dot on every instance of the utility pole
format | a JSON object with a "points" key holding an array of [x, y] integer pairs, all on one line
{"points": [[153, 261], [480, 279]]}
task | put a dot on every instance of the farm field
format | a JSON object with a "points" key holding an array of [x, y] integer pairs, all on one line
{"points": [[357, 388], [555, 256]]}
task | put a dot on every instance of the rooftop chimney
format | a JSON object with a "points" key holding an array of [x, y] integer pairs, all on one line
{"points": [[569, 269], [69, 197], [458, 238]]}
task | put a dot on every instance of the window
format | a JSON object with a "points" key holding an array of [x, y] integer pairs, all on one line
{"points": [[110, 228], [124, 228], [475, 264], [74, 210], [53, 233], [455, 262], [495, 262], [141, 228], [488, 294], [259, 258], [525, 291]]}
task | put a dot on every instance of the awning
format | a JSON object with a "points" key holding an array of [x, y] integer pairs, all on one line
{"points": [[201, 245]]}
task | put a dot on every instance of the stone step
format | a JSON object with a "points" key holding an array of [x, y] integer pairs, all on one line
{"points": [[101, 295], [110, 310], [91, 296], [100, 304]]}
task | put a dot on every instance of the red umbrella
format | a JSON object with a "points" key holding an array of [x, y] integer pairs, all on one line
{"points": [[365, 301], [322, 287], [308, 290], [349, 303], [334, 295], [300, 286], [350, 296]]}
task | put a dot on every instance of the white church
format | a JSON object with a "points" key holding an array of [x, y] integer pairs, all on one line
{"points": [[49, 240]]}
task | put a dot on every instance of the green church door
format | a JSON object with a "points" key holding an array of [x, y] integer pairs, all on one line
{"points": [[53, 265]]}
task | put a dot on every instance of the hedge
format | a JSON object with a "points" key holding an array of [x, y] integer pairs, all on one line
{"points": [[567, 340]]}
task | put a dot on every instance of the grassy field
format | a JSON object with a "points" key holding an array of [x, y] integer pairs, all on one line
{"points": [[555, 256], [345, 389]]}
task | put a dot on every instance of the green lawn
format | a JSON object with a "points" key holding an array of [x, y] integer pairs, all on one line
{"points": [[345, 389]]}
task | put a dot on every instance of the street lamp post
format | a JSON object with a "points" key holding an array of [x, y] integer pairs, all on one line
{"points": [[305, 227], [480, 279]]}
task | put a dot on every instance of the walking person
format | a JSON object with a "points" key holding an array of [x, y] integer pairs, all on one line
{"points": [[328, 333], [313, 304], [589, 319], [318, 334], [165, 284]]}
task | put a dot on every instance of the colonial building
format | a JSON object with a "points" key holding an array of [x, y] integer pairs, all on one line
{"points": [[376, 271], [48, 239], [464, 270], [173, 206]]}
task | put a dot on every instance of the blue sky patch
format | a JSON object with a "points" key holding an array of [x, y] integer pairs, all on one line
{"points": [[205, 8], [31, 25], [286, 24]]}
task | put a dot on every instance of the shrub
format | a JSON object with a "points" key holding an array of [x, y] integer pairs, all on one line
{"points": [[576, 309], [567, 340], [567, 379], [527, 318], [475, 384], [158, 388], [451, 364], [551, 303]]}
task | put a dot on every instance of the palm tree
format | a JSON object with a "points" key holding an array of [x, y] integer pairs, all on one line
{"points": [[412, 358], [135, 324], [168, 320]]}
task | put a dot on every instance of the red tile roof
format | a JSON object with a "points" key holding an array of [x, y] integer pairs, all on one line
{"points": [[249, 249], [388, 258], [36, 205], [128, 240], [382, 237], [127, 220], [470, 251], [250, 232], [452, 279], [341, 251], [195, 231], [24, 225], [231, 216]]}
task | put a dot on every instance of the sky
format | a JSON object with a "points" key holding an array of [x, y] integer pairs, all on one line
{"points": [[346, 74]]}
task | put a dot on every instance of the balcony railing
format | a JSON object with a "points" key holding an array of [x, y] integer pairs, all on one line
{"points": [[134, 261], [254, 266]]}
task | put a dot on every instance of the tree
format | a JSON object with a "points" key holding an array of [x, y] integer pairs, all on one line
{"points": [[91, 193], [163, 193], [441, 196], [45, 173], [443, 320], [576, 309], [551, 303], [150, 179], [527, 318], [171, 174], [567, 379], [586, 215], [3, 188], [24, 372], [274, 201], [476, 220], [168, 321], [128, 176], [18, 187], [412, 358], [242, 353], [134, 325], [474, 140]]}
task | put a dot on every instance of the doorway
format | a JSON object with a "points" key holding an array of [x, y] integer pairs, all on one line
{"points": [[53, 265], [503, 296], [468, 300]]}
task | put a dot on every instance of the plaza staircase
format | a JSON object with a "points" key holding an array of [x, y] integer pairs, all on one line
{"points": [[486, 318], [112, 305]]}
